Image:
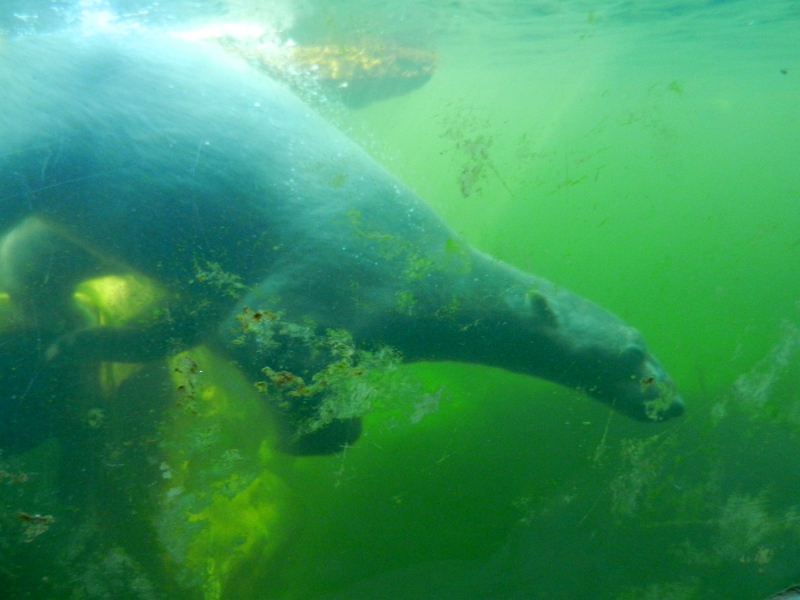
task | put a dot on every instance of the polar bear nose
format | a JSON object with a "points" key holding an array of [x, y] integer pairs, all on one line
{"points": [[676, 409], [656, 392], [650, 404]]}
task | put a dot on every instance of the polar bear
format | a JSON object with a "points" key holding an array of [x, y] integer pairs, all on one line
{"points": [[171, 159]]}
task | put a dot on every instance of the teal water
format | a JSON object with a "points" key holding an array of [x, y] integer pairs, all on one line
{"points": [[644, 155]]}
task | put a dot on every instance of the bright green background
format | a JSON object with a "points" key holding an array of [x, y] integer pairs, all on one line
{"points": [[647, 157]]}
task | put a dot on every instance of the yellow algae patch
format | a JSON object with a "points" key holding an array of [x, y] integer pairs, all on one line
{"points": [[223, 507], [240, 529], [115, 300]]}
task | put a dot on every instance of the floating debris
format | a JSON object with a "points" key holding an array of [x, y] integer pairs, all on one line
{"points": [[34, 525], [187, 371], [361, 72]]}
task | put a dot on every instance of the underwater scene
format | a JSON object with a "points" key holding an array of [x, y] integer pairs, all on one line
{"points": [[425, 299]]}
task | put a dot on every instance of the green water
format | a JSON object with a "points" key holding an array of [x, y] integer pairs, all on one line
{"points": [[646, 156], [643, 154]]}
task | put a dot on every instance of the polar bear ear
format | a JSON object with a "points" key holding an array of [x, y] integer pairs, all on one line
{"points": [[539, 308], [633, 355]]}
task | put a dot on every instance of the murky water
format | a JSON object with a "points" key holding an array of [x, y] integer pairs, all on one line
{"points": [[644, 155]]}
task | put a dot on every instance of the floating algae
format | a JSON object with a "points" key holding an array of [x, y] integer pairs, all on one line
{"points": [[763, 391], [114, 575], [226, 283], [313, 378], [345, 387], [471, 138], [642, 466]]}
